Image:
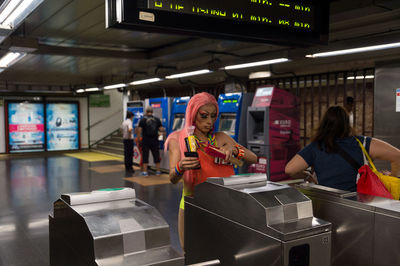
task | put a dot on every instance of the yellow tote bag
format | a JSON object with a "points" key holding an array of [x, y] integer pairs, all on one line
{"points": [[391, 183]]}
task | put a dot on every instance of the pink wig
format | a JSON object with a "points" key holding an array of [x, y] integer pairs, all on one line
{"points": [[197, 101]]}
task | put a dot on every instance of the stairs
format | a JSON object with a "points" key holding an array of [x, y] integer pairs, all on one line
{"points": [[112, 144]]}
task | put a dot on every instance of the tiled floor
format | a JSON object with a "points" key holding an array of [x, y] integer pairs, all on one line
{"points": [[30, 184]]}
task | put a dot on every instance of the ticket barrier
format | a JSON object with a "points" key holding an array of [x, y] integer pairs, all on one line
{"points": [[365, 229], [109, 228], [247, 220]]}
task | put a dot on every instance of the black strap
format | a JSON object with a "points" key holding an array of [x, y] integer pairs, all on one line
{"points": [[348, 158]]}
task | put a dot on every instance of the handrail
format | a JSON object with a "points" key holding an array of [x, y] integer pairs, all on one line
{"points": [[102, 120], [98, 141]]}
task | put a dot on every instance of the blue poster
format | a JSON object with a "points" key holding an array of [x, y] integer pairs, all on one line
{"points": [[62, 124], [25, 126]]}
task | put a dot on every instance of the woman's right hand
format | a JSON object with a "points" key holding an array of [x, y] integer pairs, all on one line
{"points": [[189, 163]]}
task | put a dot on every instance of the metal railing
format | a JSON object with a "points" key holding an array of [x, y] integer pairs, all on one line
{"points": [[102, 139]]}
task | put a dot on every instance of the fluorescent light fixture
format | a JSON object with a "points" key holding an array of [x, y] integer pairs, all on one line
{"points": [[80, 91], [258, 63], [115, 86], [361, 77], [10, 58], [15, 11], [356, 50], [92, 89], [144, 81], [259, 75], [188, 74]]}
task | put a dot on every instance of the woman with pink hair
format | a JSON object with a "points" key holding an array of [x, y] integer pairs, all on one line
{"points": [[201, 114]]}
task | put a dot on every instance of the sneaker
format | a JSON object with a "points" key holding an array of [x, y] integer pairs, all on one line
{"points": [[145, 174], [158, 173]]}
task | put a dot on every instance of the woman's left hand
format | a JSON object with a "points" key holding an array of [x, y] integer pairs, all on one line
{"points": [[229, 150]]}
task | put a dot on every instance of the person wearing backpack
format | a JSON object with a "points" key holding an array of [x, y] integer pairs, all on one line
{"points": [[149, 128]]}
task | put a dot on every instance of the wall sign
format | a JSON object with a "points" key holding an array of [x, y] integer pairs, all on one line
{"points": [[25, 126]]}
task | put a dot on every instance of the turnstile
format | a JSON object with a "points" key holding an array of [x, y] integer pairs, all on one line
{"points": [[365, 228], [109, 228], [247, 220]]}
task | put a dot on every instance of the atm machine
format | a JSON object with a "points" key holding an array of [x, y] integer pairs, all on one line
{"points": [[137, 108], [273, 129], [232, 118], [233, 114], [178, 110]]}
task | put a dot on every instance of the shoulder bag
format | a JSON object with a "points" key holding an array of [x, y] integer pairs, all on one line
{"points": [[391, 183], [367, 182]]}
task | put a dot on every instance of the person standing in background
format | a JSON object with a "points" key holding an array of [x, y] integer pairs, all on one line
{"points": [[148, 129], [349, 106], [127, 135]]}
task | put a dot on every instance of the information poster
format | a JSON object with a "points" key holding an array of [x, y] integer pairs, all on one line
{"points": [[25, 126], [62, 123]]}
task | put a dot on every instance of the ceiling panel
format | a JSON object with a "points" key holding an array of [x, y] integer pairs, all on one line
{"points": [[98, 55]]}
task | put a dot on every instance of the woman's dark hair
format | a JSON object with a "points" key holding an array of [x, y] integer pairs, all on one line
{"points": [[334, 125], [129, 114]]}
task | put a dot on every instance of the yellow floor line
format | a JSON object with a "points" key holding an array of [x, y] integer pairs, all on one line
{"points": [[93, 156]]}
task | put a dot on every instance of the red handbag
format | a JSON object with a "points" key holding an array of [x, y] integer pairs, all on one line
{"points": [[369, 183]]}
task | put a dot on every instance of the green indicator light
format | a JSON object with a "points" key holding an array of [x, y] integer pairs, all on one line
{"points": [[284, 22], [302, 8], [158, 4], [234, 101], [262, 2]]}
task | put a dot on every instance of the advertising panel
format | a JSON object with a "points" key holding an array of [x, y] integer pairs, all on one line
{"points": [[62, 123], [25, 126]]}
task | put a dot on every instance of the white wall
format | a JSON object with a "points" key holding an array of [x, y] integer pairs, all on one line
{"points": [[110, 117]]}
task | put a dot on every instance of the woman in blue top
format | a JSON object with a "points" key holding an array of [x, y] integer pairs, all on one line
{"points": [[333, 134]]}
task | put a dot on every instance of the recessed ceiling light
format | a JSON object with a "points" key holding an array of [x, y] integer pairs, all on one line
{"points": [[258, 63], [10, 58], [188, 74], [15, 11], [92, 89], [115, 86], [144, 81], [356, 50], [260, 74]]}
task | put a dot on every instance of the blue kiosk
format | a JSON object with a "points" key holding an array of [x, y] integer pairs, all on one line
{"points": [[233, 113], [162, 110], [178, 114], [137, 108]]}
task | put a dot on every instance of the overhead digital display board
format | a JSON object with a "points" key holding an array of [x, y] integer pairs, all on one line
{"points": [[274, 21], [25, 126], [62, 126]]}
